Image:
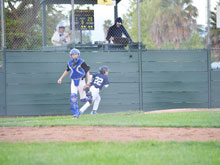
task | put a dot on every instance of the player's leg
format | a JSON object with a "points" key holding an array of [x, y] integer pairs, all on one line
{"points": [[89, 95], [84, 107], [96, 104], [74, 99], [82, 92]]}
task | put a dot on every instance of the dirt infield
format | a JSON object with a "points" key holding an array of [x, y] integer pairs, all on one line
{"points": [[107, 134]]}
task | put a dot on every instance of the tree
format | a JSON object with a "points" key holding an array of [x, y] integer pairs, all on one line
{"points": [[194, 42], [175, 22], [106, 26], [20, 17], [215, 32], [24, 25], [163, 22]]}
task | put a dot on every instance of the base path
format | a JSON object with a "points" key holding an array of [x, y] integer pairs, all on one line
{"points": [[106, 134]]}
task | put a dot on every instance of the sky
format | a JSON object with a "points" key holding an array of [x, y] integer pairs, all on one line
{"points": [[102, 12]]}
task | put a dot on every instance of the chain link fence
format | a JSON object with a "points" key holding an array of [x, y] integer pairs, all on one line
{"points": [[33, 24]]}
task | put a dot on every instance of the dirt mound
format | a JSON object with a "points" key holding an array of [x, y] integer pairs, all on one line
{"points": [[182, 110]]}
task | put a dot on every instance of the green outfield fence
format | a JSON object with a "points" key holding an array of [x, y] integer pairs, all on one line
{"points": [[139, 80]]}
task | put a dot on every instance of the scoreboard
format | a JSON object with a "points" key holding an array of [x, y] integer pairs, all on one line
{"points": [[84, 19]]}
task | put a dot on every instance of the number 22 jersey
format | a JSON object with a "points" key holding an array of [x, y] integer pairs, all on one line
{"points": [[99, 80]]}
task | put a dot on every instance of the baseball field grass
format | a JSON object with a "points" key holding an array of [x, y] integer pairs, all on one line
{"points": [[209, 119], [115, 153], [95, 153]]}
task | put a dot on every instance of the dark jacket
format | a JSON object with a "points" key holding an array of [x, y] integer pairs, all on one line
{"points": [[114, 31]]}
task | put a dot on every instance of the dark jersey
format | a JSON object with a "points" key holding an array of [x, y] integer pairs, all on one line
{"points": [[115, 31], [99, 80]]}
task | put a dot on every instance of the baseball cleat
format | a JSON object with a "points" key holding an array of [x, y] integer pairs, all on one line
{"points": [[93, 112], [75, 117]]}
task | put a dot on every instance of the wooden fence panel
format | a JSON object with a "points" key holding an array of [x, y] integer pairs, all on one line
{"points": [[170, 79], [215, 89], [2, 92], [175, 79], [32, 87]]}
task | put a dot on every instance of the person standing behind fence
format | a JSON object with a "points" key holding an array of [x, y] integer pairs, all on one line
{"points": [[60, 37], [117, 30], [79, 70], [98, 81]]}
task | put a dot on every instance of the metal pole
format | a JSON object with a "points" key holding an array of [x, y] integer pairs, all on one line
{"points": [[208, 23], [209, 54], [116, 10], [44, 27], [5, 82], [209, 76], [2, 24], [73, 23], [80, 36], [139, 21], [139, 57]]}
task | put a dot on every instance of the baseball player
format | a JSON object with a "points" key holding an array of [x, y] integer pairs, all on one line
{"points": [[98, 81], [79, 70]]}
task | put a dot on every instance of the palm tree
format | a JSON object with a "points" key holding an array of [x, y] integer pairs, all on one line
{"points": [[215, 34], [174, 22]]}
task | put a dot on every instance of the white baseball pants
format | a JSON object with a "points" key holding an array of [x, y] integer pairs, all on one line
{"points": [[79, 88], [95, 99]]}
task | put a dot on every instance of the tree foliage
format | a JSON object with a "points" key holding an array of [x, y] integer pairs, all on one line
{"points": [[20, 18], [215, 32], [164, 23], [23, 22]]}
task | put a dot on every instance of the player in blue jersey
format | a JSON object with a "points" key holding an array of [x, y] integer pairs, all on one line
{"points": [[78, 71], [98, 81]]}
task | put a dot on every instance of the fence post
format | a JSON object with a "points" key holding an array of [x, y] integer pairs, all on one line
{"points": [[44, 27], [209, 75], [140, 57], [2, 24], [4, 71], [73, 22], [140, 76]]}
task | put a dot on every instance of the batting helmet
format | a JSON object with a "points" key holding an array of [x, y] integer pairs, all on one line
{"points": [[103, 69]]}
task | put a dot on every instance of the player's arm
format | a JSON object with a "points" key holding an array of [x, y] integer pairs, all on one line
{"points": [[86, 69], [88, 80], [106, 83], [63, 75]]}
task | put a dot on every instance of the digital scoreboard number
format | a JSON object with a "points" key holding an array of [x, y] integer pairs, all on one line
{"points": [[84, 19]]}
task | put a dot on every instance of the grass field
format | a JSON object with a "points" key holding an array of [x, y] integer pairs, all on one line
{"points": [[134, 153], [93, 153], [209, 119]]}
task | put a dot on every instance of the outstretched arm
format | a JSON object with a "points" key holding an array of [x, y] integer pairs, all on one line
{"points": [[63, 75]]}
